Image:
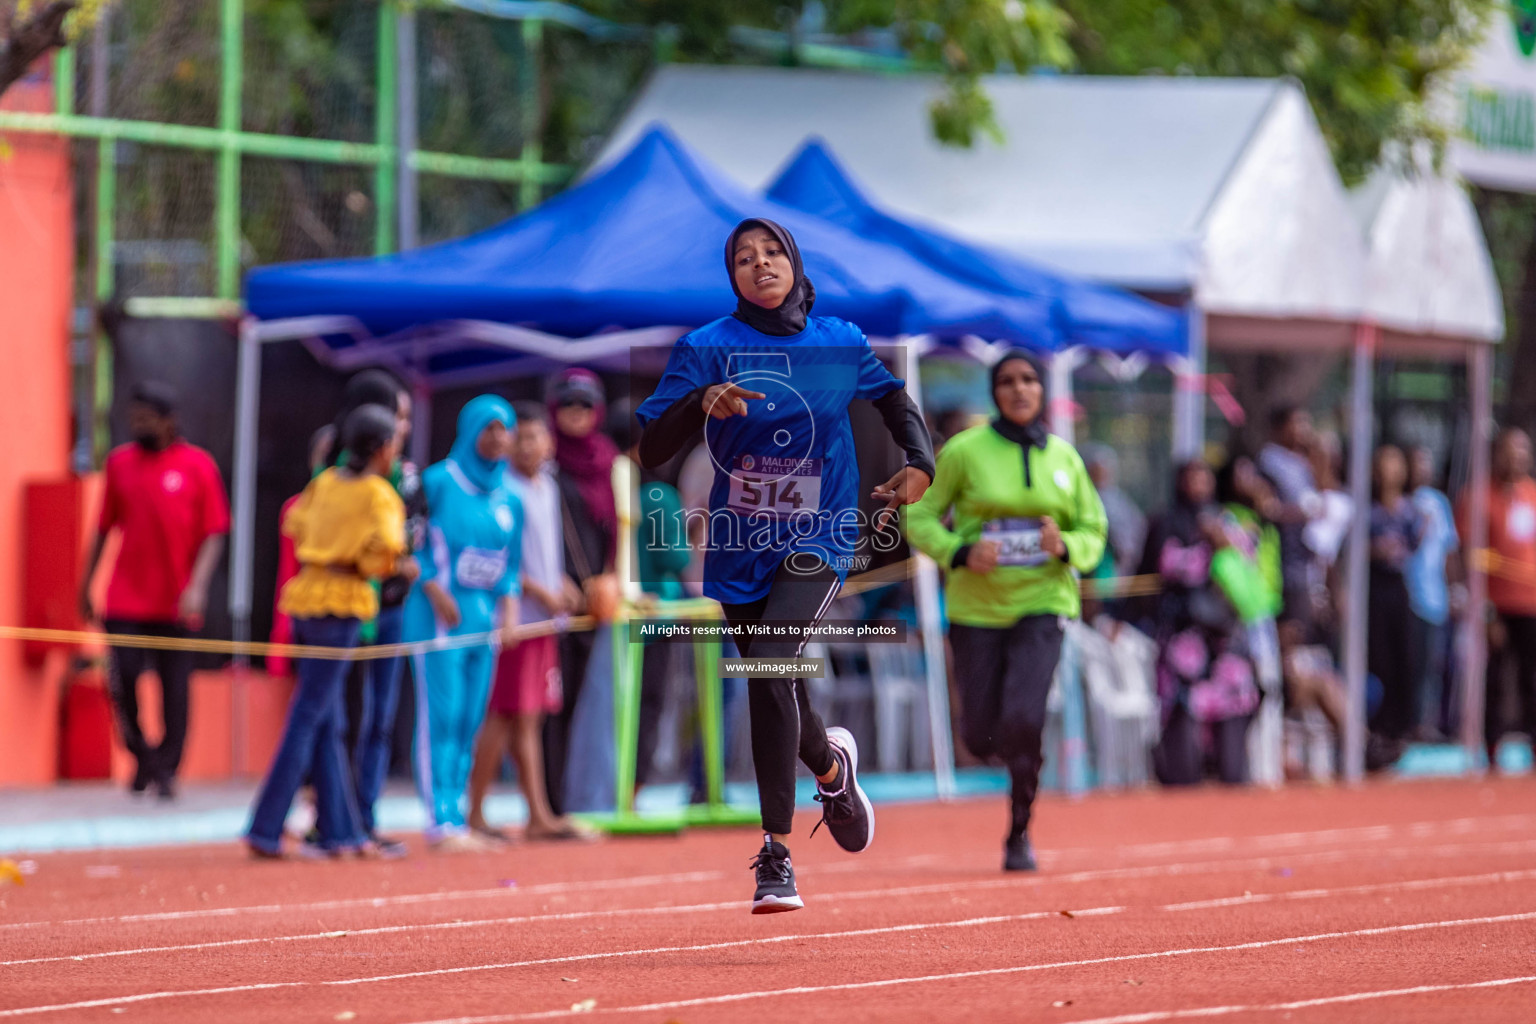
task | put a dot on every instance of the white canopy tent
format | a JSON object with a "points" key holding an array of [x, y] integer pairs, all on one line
{"points": [[1221, 191], [1218, 190], [1428, 273]]}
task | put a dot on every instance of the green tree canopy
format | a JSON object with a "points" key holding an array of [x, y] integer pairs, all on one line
{"points": [[1369, 67], [963, 39]]}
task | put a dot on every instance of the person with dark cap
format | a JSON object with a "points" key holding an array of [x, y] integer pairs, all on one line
{"points": [[770, 387], [165, 498], [1026, 515]]}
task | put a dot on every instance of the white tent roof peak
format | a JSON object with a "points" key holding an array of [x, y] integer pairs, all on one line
{"points": [[1280, 239], [1157, 183], [1428, 271]]}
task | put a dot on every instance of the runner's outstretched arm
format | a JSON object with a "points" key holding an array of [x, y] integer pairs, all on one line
{"points": [[665, 436], [905, 422]]}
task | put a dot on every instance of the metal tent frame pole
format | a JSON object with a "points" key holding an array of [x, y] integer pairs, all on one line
{"points": [[243, 526], [1361, 444], [1475, 653], [1074, 715], [1189, 391], [926, 589]]}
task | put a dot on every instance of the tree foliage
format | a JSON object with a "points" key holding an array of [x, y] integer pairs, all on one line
{"points": [[31, 28], [1369, 67], [964, 39]]}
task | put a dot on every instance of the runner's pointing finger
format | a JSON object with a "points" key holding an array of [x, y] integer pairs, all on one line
{"points": [[725, 400]]}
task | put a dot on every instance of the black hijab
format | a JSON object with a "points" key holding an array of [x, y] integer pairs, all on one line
{"points": [[368, 387], [1184, 518], [789, 317], [1032, 434]]}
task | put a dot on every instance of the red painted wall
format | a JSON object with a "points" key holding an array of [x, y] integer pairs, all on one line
{"points": [[36, 261]]}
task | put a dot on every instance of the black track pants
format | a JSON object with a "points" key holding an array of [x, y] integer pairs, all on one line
{"points": [[158, 763], [1004, 676], [783, 725]]}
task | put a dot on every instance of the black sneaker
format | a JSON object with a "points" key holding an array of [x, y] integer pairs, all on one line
{"points": [[1018, 855], [140, 781], [846, 810], [775, 880]]}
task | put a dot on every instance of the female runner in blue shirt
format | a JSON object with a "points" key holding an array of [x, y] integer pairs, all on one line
{"points": [[770, 386]]}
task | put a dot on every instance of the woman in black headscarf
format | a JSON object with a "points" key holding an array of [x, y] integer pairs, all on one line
{"points": [[770, 386], [1025, 515]]}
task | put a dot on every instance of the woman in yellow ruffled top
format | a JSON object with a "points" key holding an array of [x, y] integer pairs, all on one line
{"points": [[348, 527]]}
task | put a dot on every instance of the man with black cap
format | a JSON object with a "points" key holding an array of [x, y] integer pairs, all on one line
{"points": [[166, 500]]}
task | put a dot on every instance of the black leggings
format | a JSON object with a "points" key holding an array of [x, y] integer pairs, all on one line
{"points": [[1004, 676], [575, 656], [158, 763], [783, 723], [1389, 655]]}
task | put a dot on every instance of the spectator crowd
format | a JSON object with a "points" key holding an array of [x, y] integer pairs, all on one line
{"points": [[1226, 603]]}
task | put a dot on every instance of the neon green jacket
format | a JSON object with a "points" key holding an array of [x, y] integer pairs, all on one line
{"points": [[980, 474], [1251, 582]]}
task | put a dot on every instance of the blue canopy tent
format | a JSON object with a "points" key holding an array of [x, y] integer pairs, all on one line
{"points": [[636, 246], [1092, 315]]}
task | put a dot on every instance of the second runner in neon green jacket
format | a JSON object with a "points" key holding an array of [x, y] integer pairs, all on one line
{"points": [[1025, 515], [982, 476]]}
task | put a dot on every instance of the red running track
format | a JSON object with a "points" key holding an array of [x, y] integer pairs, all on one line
{"points": [[1397, 901]]}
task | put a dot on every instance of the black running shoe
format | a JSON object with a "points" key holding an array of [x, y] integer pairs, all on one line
{"points": [[846, 811], [775, 880], [1018, 855]]}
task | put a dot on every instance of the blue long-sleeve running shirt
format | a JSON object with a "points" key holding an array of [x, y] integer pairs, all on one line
{"points": [[786, 474]]}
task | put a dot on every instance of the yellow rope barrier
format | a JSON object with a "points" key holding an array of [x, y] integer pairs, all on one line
{"points": [[251, 648], [1486, 560]]}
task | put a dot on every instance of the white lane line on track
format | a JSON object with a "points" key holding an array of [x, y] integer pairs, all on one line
{"points": [[739, 997], [971, 922], [1311, 894], [1020, 884], [1305, 1004], [368, 902], [1363, 833], [807, 990], [409, 899], [1417, 830], [573, 915]]}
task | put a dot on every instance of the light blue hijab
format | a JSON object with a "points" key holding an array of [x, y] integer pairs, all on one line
{"points": [[477, 414]]}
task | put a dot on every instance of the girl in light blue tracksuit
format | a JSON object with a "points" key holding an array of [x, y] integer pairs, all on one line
{"points": [[470, 564]]}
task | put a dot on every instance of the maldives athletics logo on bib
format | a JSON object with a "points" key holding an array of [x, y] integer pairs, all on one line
{"points": [[1523, 13]]}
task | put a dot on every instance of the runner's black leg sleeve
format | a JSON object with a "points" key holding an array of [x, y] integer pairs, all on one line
{"points": [[1034, 648], [783, 724]]}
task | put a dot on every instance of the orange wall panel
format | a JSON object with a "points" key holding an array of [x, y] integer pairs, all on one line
{"points": [[36, 273]]}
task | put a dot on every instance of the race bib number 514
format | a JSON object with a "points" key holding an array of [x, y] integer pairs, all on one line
{"points": [[780, 486]]}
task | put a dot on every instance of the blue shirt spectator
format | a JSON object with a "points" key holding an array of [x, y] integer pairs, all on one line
{"points": [[1427, 589]]}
